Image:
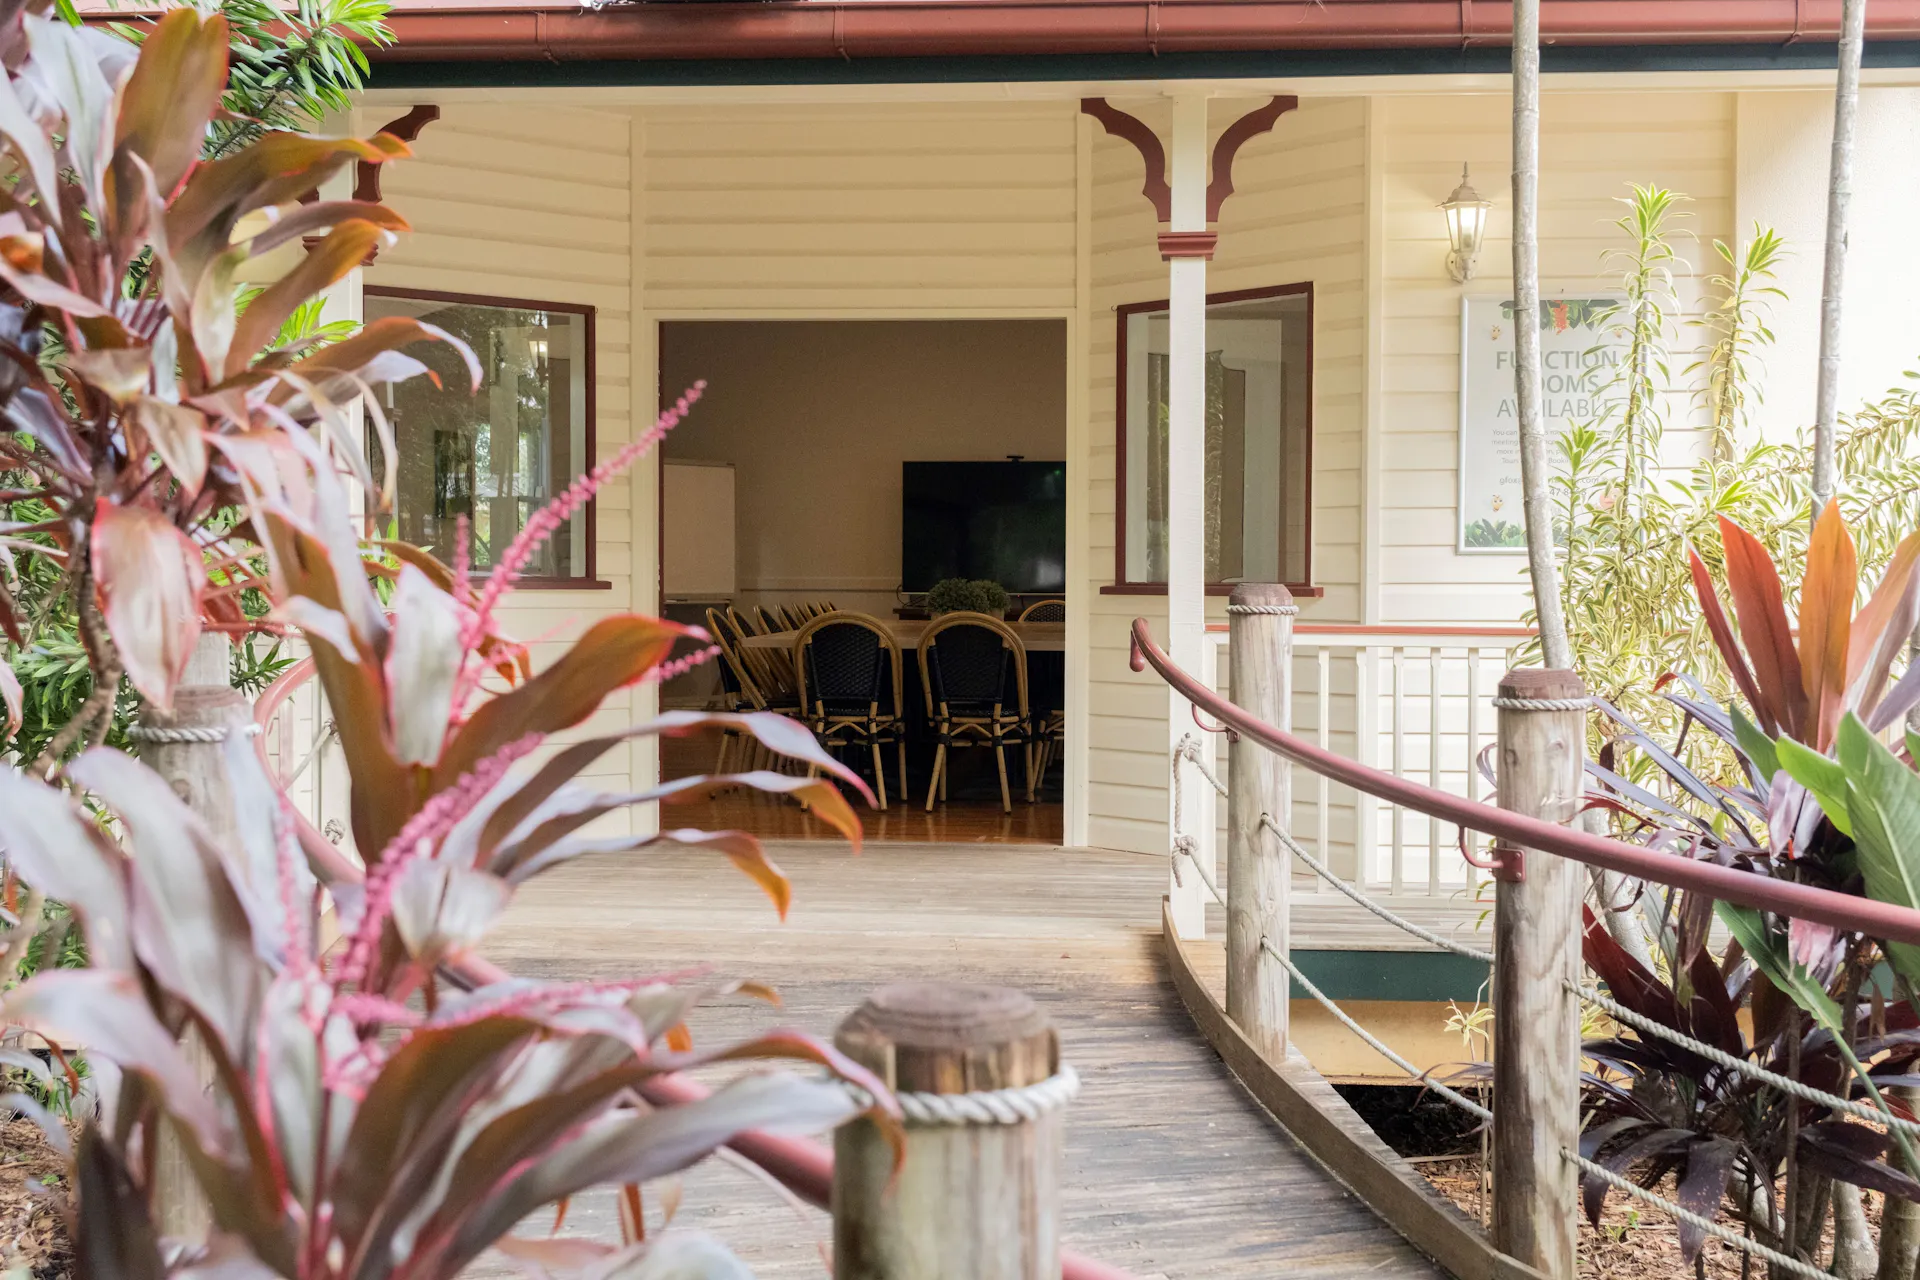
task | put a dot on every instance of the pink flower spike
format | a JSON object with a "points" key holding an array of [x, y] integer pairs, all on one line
{"points": [[681, 665], [462, 558], [434, 820], [545, 522]]}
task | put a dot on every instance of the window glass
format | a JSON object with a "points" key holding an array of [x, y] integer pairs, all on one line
{"points": [[504, 452], [1257, 433]]}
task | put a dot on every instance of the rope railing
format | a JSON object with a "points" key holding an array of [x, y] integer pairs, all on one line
{"points": [[1880, 920], [1188, 750]]}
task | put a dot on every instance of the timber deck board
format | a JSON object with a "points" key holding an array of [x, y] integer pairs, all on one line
{"points": [[1171, 1169]]}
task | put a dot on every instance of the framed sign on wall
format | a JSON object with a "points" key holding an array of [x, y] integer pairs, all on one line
{"points": [[1582, 343]]}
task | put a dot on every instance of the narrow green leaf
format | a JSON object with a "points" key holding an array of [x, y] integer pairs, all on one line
{"points": [[1758, 746], [1884, 796], [1820, 775]]}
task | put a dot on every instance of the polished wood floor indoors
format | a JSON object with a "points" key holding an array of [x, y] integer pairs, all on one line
{"points": [[1171, 1170], [971, 814]]}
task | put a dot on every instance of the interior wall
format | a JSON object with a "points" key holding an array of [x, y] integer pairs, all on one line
{"points": [[817, 417]]}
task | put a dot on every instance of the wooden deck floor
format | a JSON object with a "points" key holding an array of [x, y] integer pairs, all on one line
{"points": [[1171, 1170]]}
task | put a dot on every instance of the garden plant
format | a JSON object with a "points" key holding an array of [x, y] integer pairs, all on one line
{"points": [[350, 1094]]}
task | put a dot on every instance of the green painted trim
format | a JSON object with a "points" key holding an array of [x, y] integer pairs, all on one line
{"points": [[1168, 66], [1391, 975]]}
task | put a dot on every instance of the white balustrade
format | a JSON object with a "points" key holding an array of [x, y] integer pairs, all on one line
{"points": [[1416, 703]]}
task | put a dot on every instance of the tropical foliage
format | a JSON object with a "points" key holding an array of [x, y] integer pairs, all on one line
{"points": [[1627, 509], [349, 1089], [1810, 796], [287, 69]]}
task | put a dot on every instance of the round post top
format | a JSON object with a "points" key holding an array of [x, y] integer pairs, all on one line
{"points": [[1260, 593], [948, 1037], [1542, 684]]}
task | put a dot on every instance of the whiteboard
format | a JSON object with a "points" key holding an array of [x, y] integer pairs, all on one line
{"points": [[697, 530]]}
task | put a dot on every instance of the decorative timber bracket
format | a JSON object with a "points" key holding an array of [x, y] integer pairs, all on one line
{"points": [[1159, 194], [366, 175]]}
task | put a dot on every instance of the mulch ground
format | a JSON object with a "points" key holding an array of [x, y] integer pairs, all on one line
{"points": [[32, 1234]]}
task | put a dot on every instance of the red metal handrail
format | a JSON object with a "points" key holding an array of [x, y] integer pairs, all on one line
{"points": [[1823, 906]]}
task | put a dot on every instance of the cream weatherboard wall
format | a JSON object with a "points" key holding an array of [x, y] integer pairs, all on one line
{"points": [[1024, 208], [535, 203], [1298, 213], [1595, 146]]}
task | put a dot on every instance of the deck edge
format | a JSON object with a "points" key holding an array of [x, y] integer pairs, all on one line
{"points": [[1320, 1120]]}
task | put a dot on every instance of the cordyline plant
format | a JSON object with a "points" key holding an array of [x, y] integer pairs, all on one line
{"points": [[1811, 796], [361, 1098], [362, 1122], [163, 413]]}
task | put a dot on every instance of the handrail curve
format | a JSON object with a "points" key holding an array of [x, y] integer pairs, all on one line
{"points": [[1882, 920]]}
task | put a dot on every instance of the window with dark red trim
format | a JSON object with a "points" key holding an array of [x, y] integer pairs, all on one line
{"points": [[1258, 485], [501, 454]]}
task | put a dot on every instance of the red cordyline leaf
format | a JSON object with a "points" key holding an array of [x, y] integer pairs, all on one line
{"points": [[1826, 618], [1723, 639], [149, 579], [1761, 607]]}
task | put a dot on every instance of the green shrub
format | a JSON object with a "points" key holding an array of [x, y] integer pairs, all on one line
{"points": [[968, 595]]}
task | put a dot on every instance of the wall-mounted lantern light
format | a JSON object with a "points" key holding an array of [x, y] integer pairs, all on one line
{"points": [[1466, 228], [537, 348]]}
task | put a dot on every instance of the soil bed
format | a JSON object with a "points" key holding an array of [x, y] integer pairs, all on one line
{"points": [[32, 1234]]}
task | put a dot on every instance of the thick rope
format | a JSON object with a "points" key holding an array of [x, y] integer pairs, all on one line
{"points": [[1374, 1042], [1714, 1229], [1543, 704], [214, 734], [1397, 921], [1805, 1092], [1271, 610], [1184, 845], [984, 1107]]}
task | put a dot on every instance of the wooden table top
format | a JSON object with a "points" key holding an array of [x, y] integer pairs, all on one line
{"points": [[1039, 637]]}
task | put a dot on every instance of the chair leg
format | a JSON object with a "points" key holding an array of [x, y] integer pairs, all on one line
{"points": [[900, 749], [939, 770], [944, 773], [1032, 760], [726, 747], [1006, 796], [879, 778]]}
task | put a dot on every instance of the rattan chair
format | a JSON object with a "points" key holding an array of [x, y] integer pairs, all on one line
{"points": [[848, 666], [762, 672], [1045, 611], [738, 692], [974, 671]]}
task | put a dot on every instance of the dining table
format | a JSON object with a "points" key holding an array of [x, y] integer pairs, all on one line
{"points": [[1038, 637]]}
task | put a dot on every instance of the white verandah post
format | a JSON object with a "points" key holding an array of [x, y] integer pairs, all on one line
{"points": [[1186, 516]]}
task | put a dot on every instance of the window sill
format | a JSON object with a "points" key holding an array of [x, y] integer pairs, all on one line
{"points": [[1300, 590], [553, 584]]}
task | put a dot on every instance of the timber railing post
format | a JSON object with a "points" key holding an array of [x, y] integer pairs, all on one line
{"points": [[187, 748], [1536, 935], [1259, 784], [978, 1076]]}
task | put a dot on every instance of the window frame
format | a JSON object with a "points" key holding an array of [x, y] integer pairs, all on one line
{"points": [[591, 580], [1121, 584]]}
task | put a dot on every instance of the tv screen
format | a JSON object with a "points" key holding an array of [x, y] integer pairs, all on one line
{"points": [[1001, 520]]}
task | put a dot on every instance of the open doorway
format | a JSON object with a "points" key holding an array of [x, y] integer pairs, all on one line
{"points": [[841, 469]]}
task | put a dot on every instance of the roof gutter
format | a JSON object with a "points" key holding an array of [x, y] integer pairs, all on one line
{"points": [[848, 29]]}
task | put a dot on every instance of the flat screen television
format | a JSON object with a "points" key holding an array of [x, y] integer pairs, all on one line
{"points": [[1001, 520]]}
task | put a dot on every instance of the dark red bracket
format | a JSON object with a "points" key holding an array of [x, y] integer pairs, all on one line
{"points": [[1130, 128]]}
